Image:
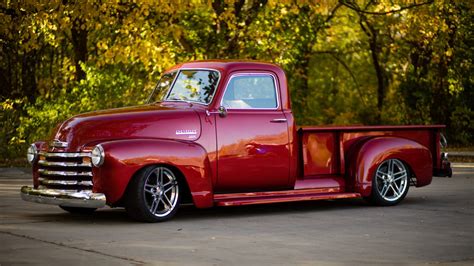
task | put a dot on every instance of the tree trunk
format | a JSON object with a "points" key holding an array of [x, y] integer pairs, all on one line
{"points": [[79, 42], [374, 47], [380, 78], [28, 75]]}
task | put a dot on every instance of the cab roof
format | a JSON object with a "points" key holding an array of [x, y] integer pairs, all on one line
{"points": [[228, 65]]}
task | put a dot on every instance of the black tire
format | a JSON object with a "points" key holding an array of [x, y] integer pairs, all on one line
{"points": [[78, 210], [390, 183], [150, 200]]}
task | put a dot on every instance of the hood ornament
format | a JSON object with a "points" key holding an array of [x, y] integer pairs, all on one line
{"points": [[58, 144]]}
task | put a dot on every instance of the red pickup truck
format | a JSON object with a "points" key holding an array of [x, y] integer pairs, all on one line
{"points": [[221, 133]]}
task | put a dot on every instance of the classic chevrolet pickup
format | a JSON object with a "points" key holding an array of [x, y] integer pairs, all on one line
{"points": [[221, 133]]}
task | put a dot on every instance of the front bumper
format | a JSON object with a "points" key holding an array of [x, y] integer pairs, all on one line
{"points": [[82, 199]]}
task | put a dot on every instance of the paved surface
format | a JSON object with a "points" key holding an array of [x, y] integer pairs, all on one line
{"points": [[434, 224]]}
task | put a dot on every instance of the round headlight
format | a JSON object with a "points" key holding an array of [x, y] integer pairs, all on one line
{"points": [[32, 153], [97, 156]]}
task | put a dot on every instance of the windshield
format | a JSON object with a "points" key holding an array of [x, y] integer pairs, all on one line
{"points": [[189, 85], [194, 85]]}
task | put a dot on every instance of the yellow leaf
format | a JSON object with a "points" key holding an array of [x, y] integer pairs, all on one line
{"points": [[449, 52]]}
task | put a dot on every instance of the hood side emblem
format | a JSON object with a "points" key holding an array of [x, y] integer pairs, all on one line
{"points": [[58, 144], [186, 132]]}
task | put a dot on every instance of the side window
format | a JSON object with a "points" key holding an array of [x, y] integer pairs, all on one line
{"points": [[248, 91]]}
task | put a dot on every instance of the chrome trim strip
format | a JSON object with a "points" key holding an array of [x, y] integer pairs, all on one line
{"points": [[65, 164], [176, 77], [41, 187], [65, 182], [278, 120], [66, 154], [63, 173], [84, 198], [243, 73]]}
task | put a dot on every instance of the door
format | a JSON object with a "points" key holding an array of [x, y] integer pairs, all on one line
{"points": [[252, 140]]}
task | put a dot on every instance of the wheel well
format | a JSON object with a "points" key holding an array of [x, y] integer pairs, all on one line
{"points": [[411, 173], [186, 197]]}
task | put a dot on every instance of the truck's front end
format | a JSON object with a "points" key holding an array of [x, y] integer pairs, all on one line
{"points": [[93, 159], [69, 169], [63, 178]]}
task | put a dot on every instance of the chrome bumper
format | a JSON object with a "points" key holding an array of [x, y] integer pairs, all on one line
{"points": [[84, 199], [445, 169]]}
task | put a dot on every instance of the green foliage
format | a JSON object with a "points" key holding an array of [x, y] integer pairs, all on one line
{"points": [[348, 62], [9, 121], [462, 126], [101, 89]]}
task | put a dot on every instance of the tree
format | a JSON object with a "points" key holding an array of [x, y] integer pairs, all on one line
{"points": [[348, 62]]}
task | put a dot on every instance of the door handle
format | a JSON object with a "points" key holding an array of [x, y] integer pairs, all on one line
{"points": [[278, 120]]}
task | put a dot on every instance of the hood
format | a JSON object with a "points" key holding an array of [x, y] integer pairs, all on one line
{"points": [[175, 121]]}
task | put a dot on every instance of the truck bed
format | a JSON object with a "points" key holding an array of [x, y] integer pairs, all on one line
{"points": [[323, 150]]}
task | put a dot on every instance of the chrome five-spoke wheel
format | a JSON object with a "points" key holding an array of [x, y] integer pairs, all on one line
{"points": [[153, 194], [390, 184], [161, 191]]}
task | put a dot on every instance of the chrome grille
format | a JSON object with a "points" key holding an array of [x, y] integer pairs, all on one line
{"points": [[65, 171]]}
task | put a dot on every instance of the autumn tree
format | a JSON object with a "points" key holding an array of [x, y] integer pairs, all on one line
{"points": [[348, 62]]}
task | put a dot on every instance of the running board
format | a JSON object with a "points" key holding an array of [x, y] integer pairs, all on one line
{"points": [[237, 199]]}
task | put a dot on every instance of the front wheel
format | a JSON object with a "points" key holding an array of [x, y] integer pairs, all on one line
{"points": [[390, 183], [153, 195]]}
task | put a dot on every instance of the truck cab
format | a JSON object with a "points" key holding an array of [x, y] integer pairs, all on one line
{"points": [[223, 133]]}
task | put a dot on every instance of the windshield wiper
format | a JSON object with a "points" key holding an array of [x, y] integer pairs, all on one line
{"points": [[177, 99]]}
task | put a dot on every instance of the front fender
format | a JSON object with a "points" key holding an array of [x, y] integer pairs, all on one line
{"points": [[376, 150], [123, 158]]}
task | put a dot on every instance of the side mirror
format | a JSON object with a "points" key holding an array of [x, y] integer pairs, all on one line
{"points": [[222, 111]]}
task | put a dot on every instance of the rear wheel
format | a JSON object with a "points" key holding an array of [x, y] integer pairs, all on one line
{"points": [[153, 195], [78, 210], [390, 183]]}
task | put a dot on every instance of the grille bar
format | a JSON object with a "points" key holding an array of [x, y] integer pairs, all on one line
{"points": [[60, 171], [66, 154], [65, 182], [63, 173], [66, 164]]}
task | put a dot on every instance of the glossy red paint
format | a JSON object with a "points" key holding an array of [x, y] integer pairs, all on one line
{"points": [[319, 154], [376, 150], [327, 150], [260, 152], [244, 157], [280, 196], [324, 153], [125, 157], [324, 182], [293, 145], [161, 120]]}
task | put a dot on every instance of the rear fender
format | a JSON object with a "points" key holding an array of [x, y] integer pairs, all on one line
{"points": [[378, 149], [123, 158]]}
